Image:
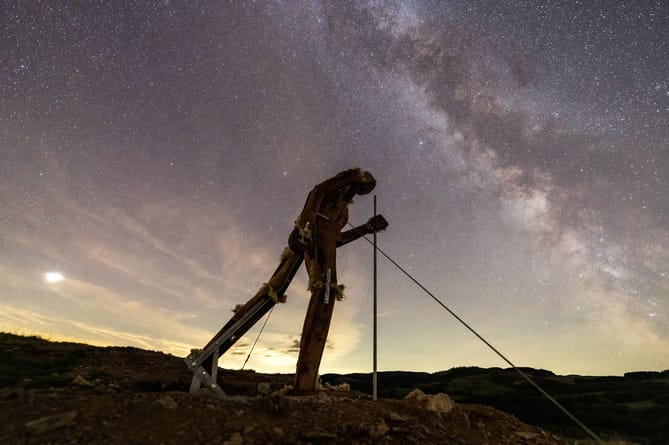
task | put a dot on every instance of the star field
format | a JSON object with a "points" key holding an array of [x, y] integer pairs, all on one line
{"points": [[154, 155]]}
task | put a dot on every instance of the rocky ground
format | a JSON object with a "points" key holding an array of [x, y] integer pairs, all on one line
{"points": [[126, 395]]}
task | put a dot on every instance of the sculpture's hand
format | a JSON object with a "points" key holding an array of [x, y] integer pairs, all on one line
{"points": [[376, 224]]}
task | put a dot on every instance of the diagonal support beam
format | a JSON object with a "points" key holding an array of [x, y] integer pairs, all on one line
{"points": [[245, 317]]}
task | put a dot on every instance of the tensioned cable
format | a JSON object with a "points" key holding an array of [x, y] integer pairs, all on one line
{"points": [[258, 337], [473, 331]]}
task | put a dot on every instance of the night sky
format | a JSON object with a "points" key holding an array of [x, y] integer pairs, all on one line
{"points": [[156, 155]]}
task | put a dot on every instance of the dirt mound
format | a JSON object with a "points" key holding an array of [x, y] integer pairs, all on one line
{"points": [[105, 414], [126, 395]]}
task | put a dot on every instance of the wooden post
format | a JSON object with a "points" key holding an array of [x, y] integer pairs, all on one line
{"points": [[316, 326]]}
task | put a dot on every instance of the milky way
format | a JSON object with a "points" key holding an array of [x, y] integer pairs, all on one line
{"points": [[156, 155]]}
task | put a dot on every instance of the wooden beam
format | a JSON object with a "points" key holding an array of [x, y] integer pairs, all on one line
{"points": [[314, 338]]}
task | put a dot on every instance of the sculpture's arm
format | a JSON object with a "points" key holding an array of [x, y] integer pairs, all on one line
{"points": [[375, 224]]}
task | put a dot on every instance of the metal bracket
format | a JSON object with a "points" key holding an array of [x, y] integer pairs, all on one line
{"points": [[202, 378], [223, 341], [328, 279]]}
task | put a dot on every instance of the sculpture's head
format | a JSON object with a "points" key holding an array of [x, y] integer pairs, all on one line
{"points": [[367, 183], [361, 183]]}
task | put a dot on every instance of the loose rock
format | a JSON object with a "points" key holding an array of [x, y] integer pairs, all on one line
{"points": [[392, 415], [166, 402], [319, 433], [263, 388], [379, 430], [49, 423], [250, 428], [278, 430], [440, 403], [80, 381], [235, 439], [415, 394], [527, 435]]}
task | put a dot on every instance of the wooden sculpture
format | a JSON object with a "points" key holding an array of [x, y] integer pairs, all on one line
{"points": [[315, 238]]}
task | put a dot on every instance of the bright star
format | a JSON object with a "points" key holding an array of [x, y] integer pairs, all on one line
{"points": [[54, 277]]}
